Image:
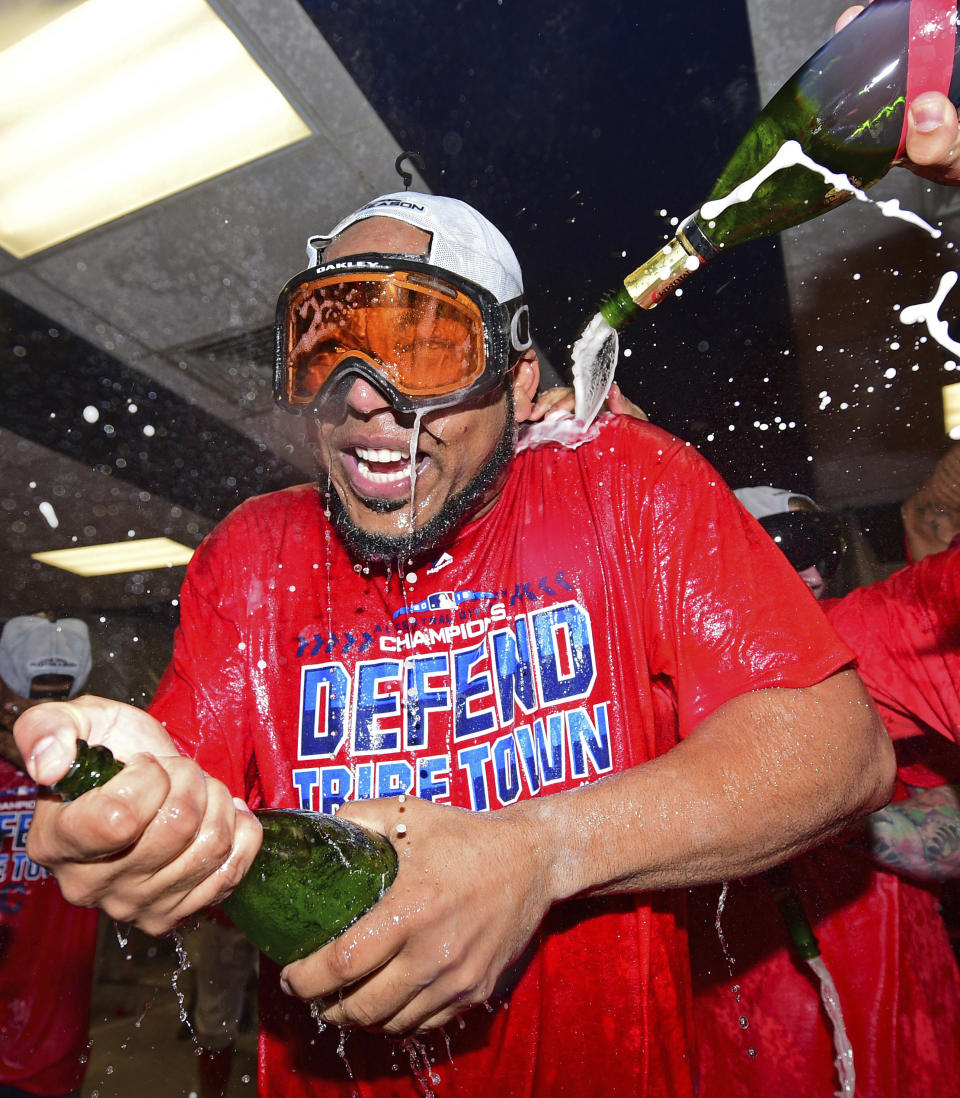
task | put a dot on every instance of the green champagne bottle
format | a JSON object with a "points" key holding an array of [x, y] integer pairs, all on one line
{"points": [[313, 876], [846, 110], [780, 881]]}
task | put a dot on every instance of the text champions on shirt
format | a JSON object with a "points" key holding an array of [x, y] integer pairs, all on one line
{"points": [[505, 704]]}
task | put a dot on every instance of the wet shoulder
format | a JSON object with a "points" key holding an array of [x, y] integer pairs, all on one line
{"points": [[614, 443], [269, 519]]}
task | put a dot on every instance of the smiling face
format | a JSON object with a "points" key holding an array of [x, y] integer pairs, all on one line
{"points": [[363, 444]]}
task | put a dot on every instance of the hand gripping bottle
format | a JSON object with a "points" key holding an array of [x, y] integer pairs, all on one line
{"points": [[313, 876]]}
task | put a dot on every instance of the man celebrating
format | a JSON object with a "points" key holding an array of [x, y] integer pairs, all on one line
{"points": [[548, 673], [47, 946]]}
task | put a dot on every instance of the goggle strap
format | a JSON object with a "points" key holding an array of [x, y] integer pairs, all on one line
{"points": [[519, 313], [316, 245]]}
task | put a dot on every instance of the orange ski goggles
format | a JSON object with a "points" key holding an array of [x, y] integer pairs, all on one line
{"points": [[424, 336]]}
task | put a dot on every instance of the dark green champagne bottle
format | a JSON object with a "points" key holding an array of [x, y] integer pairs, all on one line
{"points": [[846, 108], [780, 881], [313, 876]]}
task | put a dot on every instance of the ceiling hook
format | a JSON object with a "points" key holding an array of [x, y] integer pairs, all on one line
{"points": [[416, 159]]}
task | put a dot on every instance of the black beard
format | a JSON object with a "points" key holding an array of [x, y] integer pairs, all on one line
{"points": [[383, 548]]}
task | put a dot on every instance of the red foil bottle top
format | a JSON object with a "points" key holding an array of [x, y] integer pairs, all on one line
{"points": [[930, 60]]}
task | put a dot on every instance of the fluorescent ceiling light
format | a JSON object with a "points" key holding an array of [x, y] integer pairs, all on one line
{"points": [[110, 559], [119, 103], [951, 409]]}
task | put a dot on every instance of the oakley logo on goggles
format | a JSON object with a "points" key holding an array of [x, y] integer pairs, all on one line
{"points": [[419, 333], [807, 538]]}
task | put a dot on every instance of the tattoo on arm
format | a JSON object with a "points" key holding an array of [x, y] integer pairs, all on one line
{"points": [[918, 837]]}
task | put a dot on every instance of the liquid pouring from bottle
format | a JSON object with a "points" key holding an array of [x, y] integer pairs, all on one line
{"points": [[834, 128]]}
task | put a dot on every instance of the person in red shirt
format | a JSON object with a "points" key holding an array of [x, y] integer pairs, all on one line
{"points": [[880, 933], [551, 672], [906, 631], [47, 946]]}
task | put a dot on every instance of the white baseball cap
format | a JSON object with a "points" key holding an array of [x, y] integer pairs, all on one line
{"points": [[34, 645], [462, 239], [762, 500]]}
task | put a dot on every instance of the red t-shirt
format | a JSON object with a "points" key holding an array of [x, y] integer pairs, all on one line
{"points": [[47, 950], [612, 598], [881, 936], [906, 633], [886, 946]]}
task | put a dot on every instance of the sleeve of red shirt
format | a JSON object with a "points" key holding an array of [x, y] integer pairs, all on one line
{"points": [[906, 633], [725, 612], [209, 658]]}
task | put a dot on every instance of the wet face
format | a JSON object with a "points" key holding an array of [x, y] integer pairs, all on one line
{"points": [[12, 704], [387, 502]]}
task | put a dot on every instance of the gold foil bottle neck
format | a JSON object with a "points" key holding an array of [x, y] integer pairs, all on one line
{"points": [[660, 276]]}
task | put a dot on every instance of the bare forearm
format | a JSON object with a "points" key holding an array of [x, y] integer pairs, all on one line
{"points": [[919, 837], [767, 775]]}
